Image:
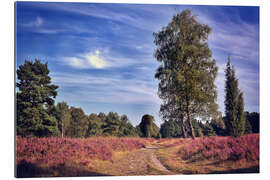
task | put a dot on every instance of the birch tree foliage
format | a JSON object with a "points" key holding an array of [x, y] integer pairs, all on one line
{"points": [[187, 70]]}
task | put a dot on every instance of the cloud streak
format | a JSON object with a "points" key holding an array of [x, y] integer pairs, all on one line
{"points": [[233, 36], [104, 60]]}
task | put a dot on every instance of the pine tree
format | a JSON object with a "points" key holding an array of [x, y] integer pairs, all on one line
{"points": [[187, 71], [35, 98], [234, 104]]}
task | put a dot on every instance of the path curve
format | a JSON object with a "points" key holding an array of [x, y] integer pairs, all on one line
{"points": [[138, 163]]}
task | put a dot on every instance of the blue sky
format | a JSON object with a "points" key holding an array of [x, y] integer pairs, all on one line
{"points": [[101, 55]]}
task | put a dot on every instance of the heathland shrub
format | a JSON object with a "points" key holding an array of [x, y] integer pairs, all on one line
{"points": [[223, 148], [58, 151]]}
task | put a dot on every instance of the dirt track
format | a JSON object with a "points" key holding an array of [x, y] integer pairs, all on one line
{"points": [[140, 162]]}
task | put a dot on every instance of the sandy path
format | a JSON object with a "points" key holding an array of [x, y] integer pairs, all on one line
{"points": [[139, 162]]}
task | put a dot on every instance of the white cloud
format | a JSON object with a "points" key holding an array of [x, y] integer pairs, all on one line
{"points": [[87, 61], [76, 62], [105, 59], [96, 61]]}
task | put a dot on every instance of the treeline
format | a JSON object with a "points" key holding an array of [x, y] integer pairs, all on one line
{"points": [[73, 122], [37, 115], [172, 129]]}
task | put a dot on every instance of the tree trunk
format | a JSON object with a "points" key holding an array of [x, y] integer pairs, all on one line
{"points": [[183, 127], [62, 129], [190, 126]]}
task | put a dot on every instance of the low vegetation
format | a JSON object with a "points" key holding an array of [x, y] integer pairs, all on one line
{"points": [[212, 154], [54, 153], [92, 156]]}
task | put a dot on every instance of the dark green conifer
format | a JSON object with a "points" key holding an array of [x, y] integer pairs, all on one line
{"points": [[35, 98], [234, 104]]}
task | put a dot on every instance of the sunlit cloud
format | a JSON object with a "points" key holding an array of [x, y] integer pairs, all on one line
{"points": [[96, 61], [87, 61], [105, 60]]}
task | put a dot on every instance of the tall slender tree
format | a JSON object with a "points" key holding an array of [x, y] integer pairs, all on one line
{"points": [[35, 97], [187, 71], [234, 103], [63, 117]]}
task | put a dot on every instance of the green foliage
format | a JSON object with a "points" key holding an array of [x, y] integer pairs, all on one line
{"points": [[147, 127], [218, 126], [234, 104], [112, 124], [63, 117], [248, 128], [78, 123], [197, 129], [208, 130], [126, 128], [35, 99], [155, 133], [94, 125], [187, 71], [254, 120], [170, 129], [138, 131]]}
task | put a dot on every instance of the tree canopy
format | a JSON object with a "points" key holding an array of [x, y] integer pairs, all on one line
{"points": [[187, 71], [147, 127], [63, 117], [35, 97]]}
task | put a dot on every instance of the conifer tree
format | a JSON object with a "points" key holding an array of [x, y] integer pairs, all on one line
{"points": [[234, 104], [35, 97]]}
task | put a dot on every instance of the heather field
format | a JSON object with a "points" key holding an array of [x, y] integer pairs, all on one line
{"points": [[135, 156], [211, 155], [69, 156]]}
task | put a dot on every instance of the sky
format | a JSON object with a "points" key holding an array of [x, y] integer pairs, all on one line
{"points": [[101, 55]]}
